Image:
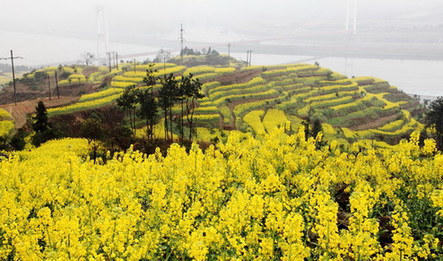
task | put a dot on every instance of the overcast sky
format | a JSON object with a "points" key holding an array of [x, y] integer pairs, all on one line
{"points": [[48, 30]]}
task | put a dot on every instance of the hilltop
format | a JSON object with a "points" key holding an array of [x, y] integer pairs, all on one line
{"points": [[254, 99]]}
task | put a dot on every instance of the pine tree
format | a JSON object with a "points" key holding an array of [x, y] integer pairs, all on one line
{"points": [[41, 126]]}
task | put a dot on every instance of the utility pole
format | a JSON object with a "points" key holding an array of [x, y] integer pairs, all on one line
{"points": [[49, 86], [13, 73], [56, 85], [116, 60], [229, 54], [181, 43], [248, 58], [134, 66], [109, 61]]}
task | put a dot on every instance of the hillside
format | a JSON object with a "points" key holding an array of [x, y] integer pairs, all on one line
{"points": [[257, 98], [73, 81]]}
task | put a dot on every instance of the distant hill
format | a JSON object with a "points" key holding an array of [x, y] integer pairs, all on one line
{"points": [[256, 98]]}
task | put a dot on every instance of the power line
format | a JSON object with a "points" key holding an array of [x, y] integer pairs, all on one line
{"points": [[13, 73]]}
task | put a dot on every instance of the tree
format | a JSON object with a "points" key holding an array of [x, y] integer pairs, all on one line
{"points": [[18, 140], [184, 85], [162, 56], [88, 58], [41, 127], [148, 111], [128, 101], [434, 118], [168, 95], [40, 118], [191, 90], [316, 128], [307, 124], [92, 130], [148, 103]]}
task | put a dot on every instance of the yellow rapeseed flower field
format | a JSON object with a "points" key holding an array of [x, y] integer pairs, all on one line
{"points": [[275, 197]]}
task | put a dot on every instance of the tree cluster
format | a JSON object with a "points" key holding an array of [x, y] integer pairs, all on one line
{"points": [[145, 104], [204, 51]]}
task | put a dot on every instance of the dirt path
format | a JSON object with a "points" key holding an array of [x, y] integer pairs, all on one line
{"points": [[20, 111], [375, 124]]}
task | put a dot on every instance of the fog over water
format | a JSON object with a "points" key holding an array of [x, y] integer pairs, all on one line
{"points": [[397, 40]]}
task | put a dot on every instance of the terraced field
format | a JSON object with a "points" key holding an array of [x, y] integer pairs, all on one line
{"points": [[350, 109], [358, 108]]}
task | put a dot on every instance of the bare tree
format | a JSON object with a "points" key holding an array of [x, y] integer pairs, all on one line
{"points": [[88, 57]]}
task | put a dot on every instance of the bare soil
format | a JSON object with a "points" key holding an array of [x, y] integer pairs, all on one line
{"points": [[21, 111], [238, 77], [375, 124]]}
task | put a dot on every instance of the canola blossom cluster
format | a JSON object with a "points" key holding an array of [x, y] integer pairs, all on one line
{"points": [[279, 197]]}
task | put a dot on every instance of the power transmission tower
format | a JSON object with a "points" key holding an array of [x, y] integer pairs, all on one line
{"points": [[102, 33], [13, 73], [351, 10], [181, 43]]}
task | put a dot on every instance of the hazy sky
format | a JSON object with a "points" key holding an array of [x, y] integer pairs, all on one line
{"points": [[47, 31]]}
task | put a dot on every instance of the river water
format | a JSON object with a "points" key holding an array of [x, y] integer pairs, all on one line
{"points": [[421, 77]]}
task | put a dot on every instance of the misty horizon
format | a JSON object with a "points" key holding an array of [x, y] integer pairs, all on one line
{"points": [[40, 29]]}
